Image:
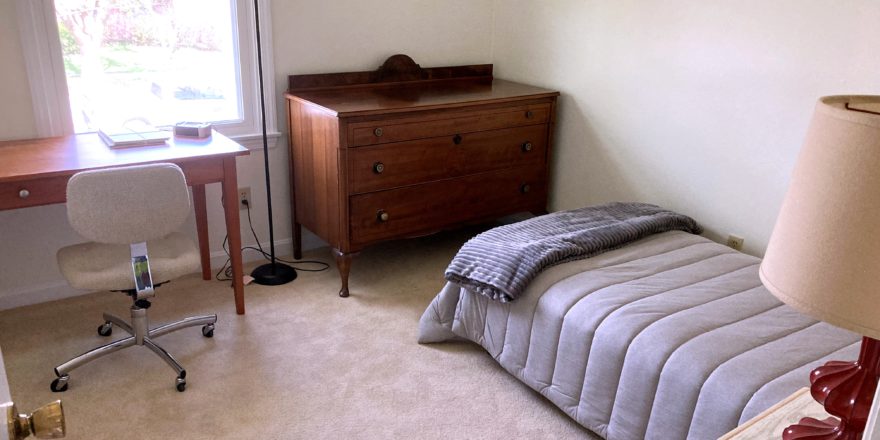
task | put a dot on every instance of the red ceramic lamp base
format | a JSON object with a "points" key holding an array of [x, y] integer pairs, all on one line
{"points": [[812, 429], [846, 389]]}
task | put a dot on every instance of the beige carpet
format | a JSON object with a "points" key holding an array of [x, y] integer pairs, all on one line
{"points": [[302, 363]]}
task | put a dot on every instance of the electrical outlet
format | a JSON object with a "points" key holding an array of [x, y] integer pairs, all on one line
{"points": [[735, 242], [244, 197]]}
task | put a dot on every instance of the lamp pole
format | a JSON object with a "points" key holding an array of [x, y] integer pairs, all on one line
{"points": [[272, 273]]}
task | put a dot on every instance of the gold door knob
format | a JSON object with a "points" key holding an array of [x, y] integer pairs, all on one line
{"points": [[527, 146], [382, 216], [378, 132], [525, 188], [45, 422], [24, 194], [378, 167]]}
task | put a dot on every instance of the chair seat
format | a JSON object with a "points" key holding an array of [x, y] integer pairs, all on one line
{"points": [[99, 266]]}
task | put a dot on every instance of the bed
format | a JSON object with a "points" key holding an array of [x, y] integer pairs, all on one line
{"points": [[670, 337]]}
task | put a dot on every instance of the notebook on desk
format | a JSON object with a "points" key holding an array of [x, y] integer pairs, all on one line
{"points": [[124, 137]]}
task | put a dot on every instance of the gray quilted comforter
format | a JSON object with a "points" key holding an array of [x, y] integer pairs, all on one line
{"points": [[671, 337], [500, 262]]}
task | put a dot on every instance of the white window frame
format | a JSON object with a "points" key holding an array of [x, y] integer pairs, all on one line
{"points": [[41, 47]]}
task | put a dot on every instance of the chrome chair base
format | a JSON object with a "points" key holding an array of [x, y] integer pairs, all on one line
{"points": [[140, 334]]}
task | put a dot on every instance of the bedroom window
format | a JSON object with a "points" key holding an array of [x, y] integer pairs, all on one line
{"points": [[107, 63]]}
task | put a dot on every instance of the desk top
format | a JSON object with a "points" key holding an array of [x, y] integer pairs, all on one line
{"points": [[66, 155]]}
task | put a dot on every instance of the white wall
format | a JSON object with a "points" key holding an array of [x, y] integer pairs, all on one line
{"points": [[16, 121], [310, 36], [700, 106]]}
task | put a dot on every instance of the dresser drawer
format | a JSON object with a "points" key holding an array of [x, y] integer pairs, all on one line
{"points": [[36, 192], [432, 206], [381, 132], [406, 163]]}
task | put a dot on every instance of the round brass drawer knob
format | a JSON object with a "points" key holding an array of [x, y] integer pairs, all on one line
{"points": [[382, 216], [525, 188], [24, 194], [527, 146], [378, 132], [378, 167], [529, 114]]}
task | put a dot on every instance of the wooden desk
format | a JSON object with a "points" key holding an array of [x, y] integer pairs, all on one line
{"points": [[34, 172]]}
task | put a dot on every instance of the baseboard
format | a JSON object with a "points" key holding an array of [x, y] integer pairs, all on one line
{"points": [[281, 249], [38, 294], [56, 290]]}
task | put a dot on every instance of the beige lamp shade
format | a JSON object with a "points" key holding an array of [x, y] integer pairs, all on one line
{"points": [[824, 255]]}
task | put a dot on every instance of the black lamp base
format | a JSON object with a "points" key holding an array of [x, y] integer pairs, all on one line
{"points": [[268, 275]]}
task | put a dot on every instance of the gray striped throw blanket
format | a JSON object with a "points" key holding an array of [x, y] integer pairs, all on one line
{"points": [[500, 262]]}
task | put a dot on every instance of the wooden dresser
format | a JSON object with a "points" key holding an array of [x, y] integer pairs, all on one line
{"points": [[405, 151]]}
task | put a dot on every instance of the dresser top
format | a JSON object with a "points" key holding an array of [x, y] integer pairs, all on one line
{"points": [[401, 85], [360, 101]]}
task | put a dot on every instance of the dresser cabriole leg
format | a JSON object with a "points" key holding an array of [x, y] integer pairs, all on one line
{"points": [[297, 241], [343, 263]]}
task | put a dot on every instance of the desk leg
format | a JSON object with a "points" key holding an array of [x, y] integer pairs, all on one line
{"points": [[233, 230], [201, 208]]}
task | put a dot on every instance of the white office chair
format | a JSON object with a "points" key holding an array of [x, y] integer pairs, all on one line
{"points": [[117, 208]]}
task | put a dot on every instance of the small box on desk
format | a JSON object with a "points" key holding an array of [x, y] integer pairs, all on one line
{"points": [[193, 129]]}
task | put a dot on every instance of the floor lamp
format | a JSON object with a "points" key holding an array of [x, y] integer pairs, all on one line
{"points": [[824, 255], [273, 273]]}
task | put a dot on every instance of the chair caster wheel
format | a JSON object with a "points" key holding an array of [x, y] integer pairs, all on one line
{"points": [[208, 330], [59, 385], [181, 384], [105, 329]]}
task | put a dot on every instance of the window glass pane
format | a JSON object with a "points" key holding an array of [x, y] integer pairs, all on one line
{"points": [[152, 61]]}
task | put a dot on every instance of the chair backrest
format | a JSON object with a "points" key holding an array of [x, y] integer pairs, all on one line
{"points": [[128, 204]]}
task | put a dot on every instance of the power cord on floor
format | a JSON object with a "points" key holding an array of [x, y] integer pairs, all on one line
{"points": [[226, 270]]}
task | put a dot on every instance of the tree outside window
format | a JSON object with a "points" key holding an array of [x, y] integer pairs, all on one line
{"points": [[152, 61]]}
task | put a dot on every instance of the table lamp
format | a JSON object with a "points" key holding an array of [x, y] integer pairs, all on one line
{"points": [[823, 257]]}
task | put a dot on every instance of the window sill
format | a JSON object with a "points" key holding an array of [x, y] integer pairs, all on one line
{"points": [[255, 141]]}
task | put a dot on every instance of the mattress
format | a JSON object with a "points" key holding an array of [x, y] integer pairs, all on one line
{"points": [[671, 337]]}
